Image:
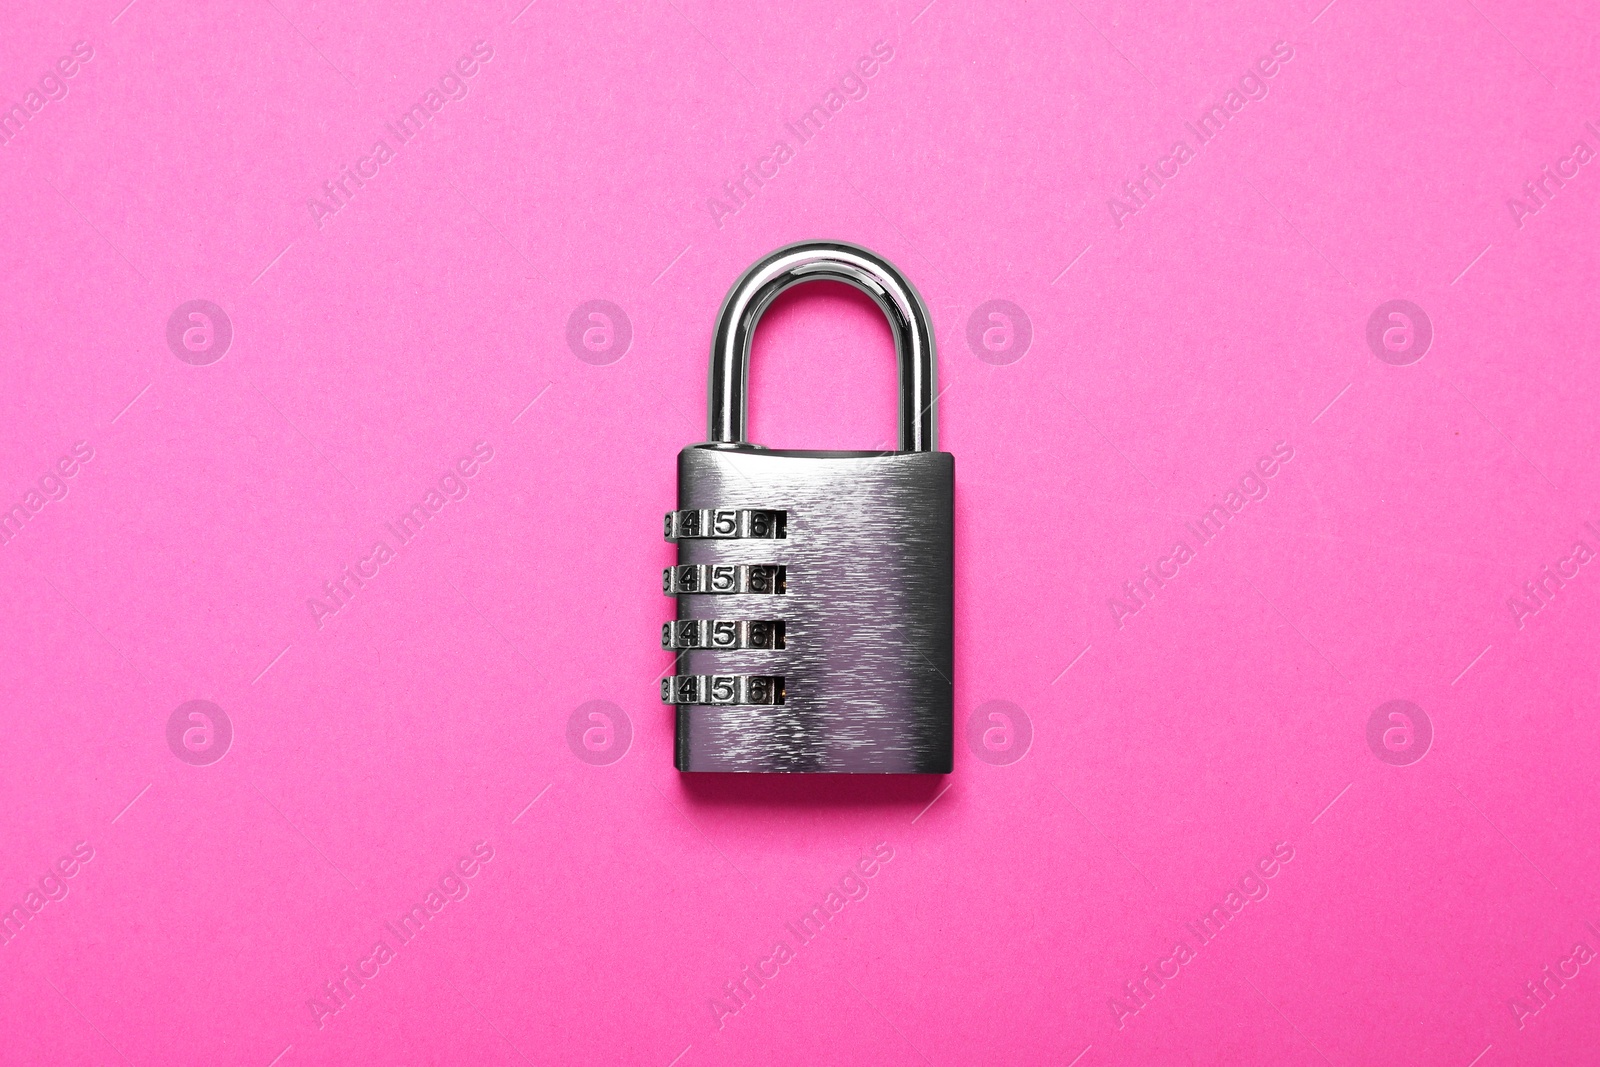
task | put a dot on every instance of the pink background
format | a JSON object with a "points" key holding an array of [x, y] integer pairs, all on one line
{"points": [[1171, 348]]}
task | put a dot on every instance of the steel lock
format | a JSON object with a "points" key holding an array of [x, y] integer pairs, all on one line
{"points": [[814, 598]]}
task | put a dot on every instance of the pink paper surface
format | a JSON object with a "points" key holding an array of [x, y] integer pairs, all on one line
{"points": [[265, 295]]}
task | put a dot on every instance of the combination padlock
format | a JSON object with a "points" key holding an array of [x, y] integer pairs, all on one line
{"points": [[814, 609]]}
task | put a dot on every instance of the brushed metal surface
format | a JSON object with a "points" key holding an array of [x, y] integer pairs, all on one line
{"points": [[868, 615]]}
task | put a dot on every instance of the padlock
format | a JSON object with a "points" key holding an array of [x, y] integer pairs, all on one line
{"points": [[814, 596]]}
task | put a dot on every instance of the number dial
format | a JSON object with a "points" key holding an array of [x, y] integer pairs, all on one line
{"points": [[726, 523], [724, 578], [723, 634], [723, 689]]}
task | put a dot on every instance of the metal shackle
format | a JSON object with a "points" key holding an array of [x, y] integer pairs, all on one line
{"points": [[810, 261]]}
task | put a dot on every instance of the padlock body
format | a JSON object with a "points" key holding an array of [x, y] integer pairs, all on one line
{"points": [[865, 606]]}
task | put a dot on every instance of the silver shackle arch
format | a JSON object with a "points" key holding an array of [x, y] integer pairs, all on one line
{"points": [[811, 261]]}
